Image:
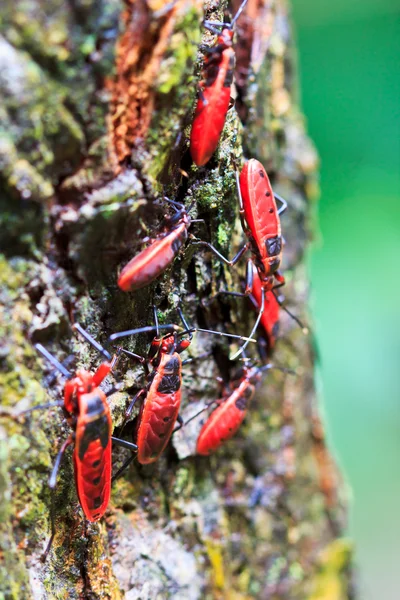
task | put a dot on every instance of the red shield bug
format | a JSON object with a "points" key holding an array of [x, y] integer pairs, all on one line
{"points": [[161, 397], [215, 92], [87, 412]]}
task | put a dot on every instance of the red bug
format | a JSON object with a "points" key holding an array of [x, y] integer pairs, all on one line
{"points": [[87, 412], [215, 92], [146, 266], [162, 394], [226, 419], [270, 316], [261, 224]]}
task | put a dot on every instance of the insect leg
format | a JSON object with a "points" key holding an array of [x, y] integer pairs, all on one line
{"points": [[130, 408], [239, 12], [180, 421], [115, 388], [125, 465], [207, 406], [248, 289], [52, 484], [283, 203], [212, 26], [91, 340], [196, 358], [53, 361], [222, 258], [261, 311], [41, 407], [124, 443], [57, 462], [148, 329], [185, 323], [128, 461], [291, 315]]}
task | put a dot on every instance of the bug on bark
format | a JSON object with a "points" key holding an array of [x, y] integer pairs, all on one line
{"points": [[215, 91], [146, 266], [87, 412], [270, 316], [261, 224], [227, 417], [161, 397]]}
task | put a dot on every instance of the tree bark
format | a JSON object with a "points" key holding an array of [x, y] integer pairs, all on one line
{"points": [[98, 99]]}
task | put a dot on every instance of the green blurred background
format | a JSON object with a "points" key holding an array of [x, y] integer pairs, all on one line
{"points": [[349, 54]]}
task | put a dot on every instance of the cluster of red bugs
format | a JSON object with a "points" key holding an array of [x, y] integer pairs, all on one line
{"points": [[85, 403]]}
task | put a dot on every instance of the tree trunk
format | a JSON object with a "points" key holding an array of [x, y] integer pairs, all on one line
{"points": [[98, 99]]}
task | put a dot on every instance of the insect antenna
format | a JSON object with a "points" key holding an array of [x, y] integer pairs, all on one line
{"points": [[177, 206], [270, 366], [53, 361], [91, 341], [185, 323], [239, 12], [148, 329], [220, 333], [304, 329]]}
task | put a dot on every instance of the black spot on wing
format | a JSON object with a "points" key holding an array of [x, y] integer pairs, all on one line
{"points": [[274, 265], [229, 73], [169, 384], [97, 502], [275, 329], [178, 241], [243, 400], [274, 245], [211, 74], [95, 405], [96, 430]]}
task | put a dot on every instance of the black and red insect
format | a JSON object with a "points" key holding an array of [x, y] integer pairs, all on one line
{"points": [[161, 397], [215, 91], [231, 410], [146, 266], [261, 224], [88, 414]]}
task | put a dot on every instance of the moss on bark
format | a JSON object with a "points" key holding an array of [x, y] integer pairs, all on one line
{"points": [[262, 518]]}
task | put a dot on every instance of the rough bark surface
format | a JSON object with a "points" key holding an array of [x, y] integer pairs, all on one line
{"points": [[97, 101]]}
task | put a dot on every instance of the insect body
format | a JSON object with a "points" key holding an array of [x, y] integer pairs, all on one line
{"points": [[160, 409], [87, 412], [261, 221], [213, 102], [153, 260], [215, 92], [89, 415], [226, 419]]}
